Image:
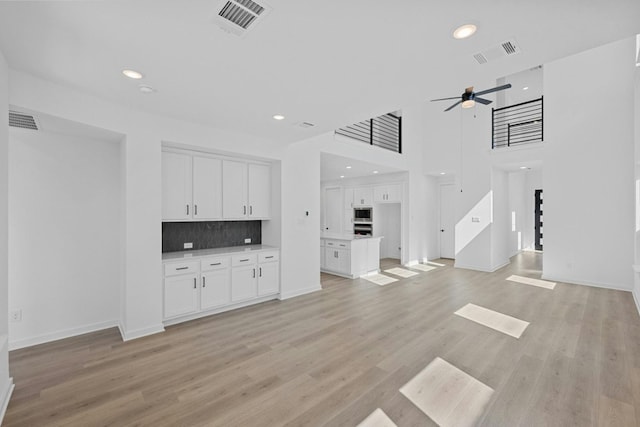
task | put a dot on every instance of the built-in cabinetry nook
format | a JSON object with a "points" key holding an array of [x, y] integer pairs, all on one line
{"points": [[198, 189]]}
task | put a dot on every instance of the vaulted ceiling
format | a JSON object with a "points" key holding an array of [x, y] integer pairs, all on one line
{"points": [[327, 62]]}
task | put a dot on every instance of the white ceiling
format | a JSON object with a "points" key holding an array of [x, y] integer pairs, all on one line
{"points": [[332, 167], [328, 62]]}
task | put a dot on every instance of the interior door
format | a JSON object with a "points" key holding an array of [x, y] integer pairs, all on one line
{"points": [[333, 209], [447, 221]]}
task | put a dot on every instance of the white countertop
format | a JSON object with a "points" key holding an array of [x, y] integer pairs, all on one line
{"points": [[346, 236], [232, 250]]}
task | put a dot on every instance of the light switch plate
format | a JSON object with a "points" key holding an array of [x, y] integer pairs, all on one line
{"points": [[248, 240], [188, 245]]}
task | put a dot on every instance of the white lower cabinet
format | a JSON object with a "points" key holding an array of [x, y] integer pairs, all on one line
{"points": [[351, 258], [180, 295], [212, 284], [244, 283], [338, 260]]}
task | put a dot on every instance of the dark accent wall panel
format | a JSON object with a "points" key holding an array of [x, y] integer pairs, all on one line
{"points": [[209, 234]]}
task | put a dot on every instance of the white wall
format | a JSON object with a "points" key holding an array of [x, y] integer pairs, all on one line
{"points": [[501, 219], [6, 383], [517, 212], [387, 223], [64, 218], [588, 167], [636, 288]]}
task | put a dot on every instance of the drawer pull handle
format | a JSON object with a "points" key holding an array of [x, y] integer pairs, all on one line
{"points": [[203, 282], [268, 257], [194, 283], [254, 273], [343, 245], [217, 263], [244, 260], [260, 271], [182, 268]]}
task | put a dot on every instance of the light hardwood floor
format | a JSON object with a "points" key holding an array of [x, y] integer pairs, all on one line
{"points": [[333, 357]]}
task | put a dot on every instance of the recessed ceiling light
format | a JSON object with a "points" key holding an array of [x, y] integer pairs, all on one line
{"points": [[132, 74], [375, 171], [341, 176], [278, 117], [464, 31], [348, 167], [146, 89], [443, 173], [523, 167], [525, 88]]}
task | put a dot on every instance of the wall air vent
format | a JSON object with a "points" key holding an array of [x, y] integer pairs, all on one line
{"points": [[305, 125], [239, 16], [22, 120], [506, 48]]}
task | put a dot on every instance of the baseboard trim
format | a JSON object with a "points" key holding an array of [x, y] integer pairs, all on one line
{"points": [[483, 269], [613, 287], [6, 398], [300, 292], [139, 333], [58, 335]]}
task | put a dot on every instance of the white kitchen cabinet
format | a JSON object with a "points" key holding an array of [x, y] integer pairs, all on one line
{"points": [[216, 288], [207, 188], [180, 295], [234, 189], [373, 255], [176, 186], [337, 260], [348, 198], [351, 257], [244, 283], [362, 196], [268, 278], [322, 254], [390, 193], [259, 191]]}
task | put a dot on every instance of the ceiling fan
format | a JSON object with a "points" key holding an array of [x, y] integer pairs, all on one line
{"points": [[469, 98]]}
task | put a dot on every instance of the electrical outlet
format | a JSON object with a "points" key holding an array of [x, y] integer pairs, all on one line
{"points": [[248, 240], [16, 316], [188, 245]]}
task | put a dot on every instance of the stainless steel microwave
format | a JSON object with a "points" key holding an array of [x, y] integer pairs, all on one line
{"points": [[362, 215]]}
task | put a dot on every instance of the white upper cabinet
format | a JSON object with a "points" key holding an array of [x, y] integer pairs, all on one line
{"points": [[176, 186], [348, 198], [363, 196], [259, 191], [390, 193], [234, 190], [207, 188]]}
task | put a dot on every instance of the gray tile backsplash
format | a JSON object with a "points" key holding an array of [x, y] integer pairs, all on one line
{"points": [[209, 234]]}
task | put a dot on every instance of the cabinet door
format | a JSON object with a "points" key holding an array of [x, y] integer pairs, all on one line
{"points": [[234, 189], [348, 198], [362, 196], [331, 261], [176, 186], [216, 288], [347, 222], [333, 209], [394, 193], [259, 191], [344, 261], [180, 295], [380, 194], [244, 283], [268, 278], [207, 188]]}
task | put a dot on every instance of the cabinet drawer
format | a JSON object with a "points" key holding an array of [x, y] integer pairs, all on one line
{"points": [[338, 244], [246, 259], [176, 268], [268, 256], [217, 263]]}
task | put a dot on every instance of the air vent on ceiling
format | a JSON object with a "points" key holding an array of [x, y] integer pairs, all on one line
{"points": [[506, 48], [22, 120], [305, 125], [238, 16]]}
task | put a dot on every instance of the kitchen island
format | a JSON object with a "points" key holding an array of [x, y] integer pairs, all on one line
{"points": [[349, 255]]}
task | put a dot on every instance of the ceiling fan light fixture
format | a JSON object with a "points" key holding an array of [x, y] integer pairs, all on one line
{"points": [[468, 103], [464, 31]]}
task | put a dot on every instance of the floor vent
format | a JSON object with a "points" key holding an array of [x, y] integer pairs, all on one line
{"points": [[238, 16], [506, 48], [21, 120]]}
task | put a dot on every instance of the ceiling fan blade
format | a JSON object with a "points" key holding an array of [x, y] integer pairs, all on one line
{"points": [[445, 99], [459, 102], [469, 89], [482, 100], [495, 89]]}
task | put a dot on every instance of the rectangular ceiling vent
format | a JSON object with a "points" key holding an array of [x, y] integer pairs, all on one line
{"points": [[306, 125], [21, 120], [506, 48], [239, 16]]}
